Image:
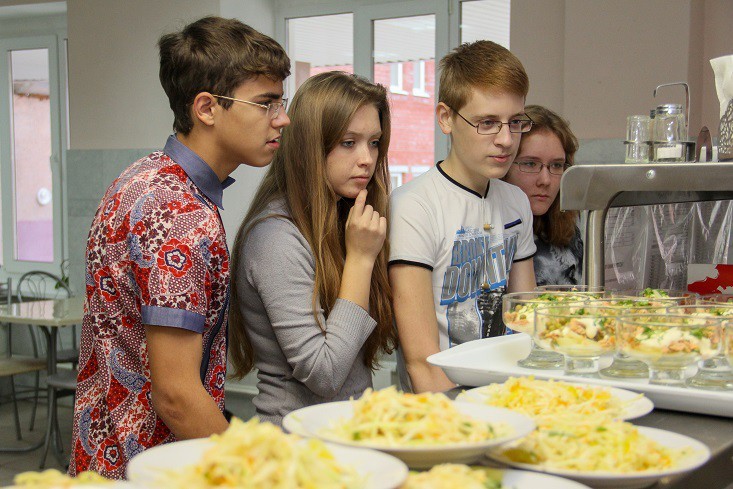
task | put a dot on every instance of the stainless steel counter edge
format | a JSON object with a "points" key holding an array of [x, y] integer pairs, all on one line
{"points": [[596, 187]]}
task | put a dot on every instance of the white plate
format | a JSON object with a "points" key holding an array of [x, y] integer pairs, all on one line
{"points": [[522, 479], [313, 420], [482, 362], [105, 485], [599, 480], [638, 407], [382, 471]]}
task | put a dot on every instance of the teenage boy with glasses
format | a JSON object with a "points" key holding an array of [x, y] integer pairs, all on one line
{"points": [[153, 350], [460, 237]]}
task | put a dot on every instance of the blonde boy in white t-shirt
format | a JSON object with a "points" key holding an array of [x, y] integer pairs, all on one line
{"points": [[460, 237]]}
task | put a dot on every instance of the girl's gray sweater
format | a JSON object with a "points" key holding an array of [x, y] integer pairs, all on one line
{"points": [[298, 365]]}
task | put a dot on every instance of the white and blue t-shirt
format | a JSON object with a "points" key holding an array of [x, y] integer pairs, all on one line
{"points": [[469, 241]]}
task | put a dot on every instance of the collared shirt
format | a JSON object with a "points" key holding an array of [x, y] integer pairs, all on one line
{"points": [[156, 255], [197, 170]]}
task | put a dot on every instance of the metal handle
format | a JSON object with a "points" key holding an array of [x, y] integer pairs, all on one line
{"points": [[687, 100]]}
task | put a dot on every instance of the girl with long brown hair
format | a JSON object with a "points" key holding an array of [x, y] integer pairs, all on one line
{"points": [[544, 154], [310, 295]]}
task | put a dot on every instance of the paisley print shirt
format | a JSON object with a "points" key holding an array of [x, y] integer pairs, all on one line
{"points": [[157, 255]]}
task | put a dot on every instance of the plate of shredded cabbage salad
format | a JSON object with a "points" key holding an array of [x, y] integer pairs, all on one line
{"points": [[604, 453], [54, 479], [535, 397], [464, 477], [420, 429], [256, 455]]}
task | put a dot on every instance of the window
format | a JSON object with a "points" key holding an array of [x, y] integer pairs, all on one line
{"points": [[395, 179], [395, 79], [485, 19], [31, 154], [307, 38], [418, 80], [395, 44], [413, 117]]}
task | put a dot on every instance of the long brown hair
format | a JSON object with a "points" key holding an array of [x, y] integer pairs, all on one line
{"points": [[320, 113], [555, 226]]}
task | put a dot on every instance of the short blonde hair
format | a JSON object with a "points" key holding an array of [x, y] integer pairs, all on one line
{"points": [[484, 65]]}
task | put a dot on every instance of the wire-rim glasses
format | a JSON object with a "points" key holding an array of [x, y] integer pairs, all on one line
{"points": [[273, 108], [557, 168], [489, 126]]}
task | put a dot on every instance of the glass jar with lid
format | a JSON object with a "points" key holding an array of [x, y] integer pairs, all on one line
{"points": [[670, 133]]}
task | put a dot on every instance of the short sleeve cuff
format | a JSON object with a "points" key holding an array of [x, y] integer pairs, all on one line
{"points": [[174, 318], [524, 258], [412, 263]]}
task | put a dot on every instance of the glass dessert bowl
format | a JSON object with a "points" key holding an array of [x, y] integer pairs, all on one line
{"points": [[623, 367], [669, 343], [714, 373], [518, 309], [582, 333]]}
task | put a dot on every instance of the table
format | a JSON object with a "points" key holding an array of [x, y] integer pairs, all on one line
{"points": [[49, 316], [716, 432]]}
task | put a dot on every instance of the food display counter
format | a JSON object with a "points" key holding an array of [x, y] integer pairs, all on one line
{"points": [[597, 188]]}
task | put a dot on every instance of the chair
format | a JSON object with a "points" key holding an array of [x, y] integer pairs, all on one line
{"points": [[35, 285], [62, 383], [12, 366]]}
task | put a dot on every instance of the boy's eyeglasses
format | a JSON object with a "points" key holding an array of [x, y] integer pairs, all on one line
{"points": [[489, 126], [557, 168], [273, 108]]}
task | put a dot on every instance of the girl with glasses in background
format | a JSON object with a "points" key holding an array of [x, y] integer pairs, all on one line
{"points": [[310, 295], [544, 154]]}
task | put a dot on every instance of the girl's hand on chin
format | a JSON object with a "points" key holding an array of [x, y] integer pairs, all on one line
{"points": [[366, 230]]}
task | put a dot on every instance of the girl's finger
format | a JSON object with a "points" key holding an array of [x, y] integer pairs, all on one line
{"points": [[359, 203]]}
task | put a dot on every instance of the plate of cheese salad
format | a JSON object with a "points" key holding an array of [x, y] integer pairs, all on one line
{"points": [[420, 429], [536, 397], [604, 453], [464, 477], [54, 479], [255, 455]]}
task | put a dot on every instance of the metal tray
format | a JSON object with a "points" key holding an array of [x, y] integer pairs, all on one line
{"points": [[491, 360]]}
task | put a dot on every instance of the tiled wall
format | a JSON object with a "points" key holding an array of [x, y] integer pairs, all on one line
{"points": [[601, 151], [89, 173]]}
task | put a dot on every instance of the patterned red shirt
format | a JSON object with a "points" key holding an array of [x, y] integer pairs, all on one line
{"points": [[156, 255]]}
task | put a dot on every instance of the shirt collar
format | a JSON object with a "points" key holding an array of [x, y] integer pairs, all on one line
{"points": [[197, 170], [455, 182]]}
